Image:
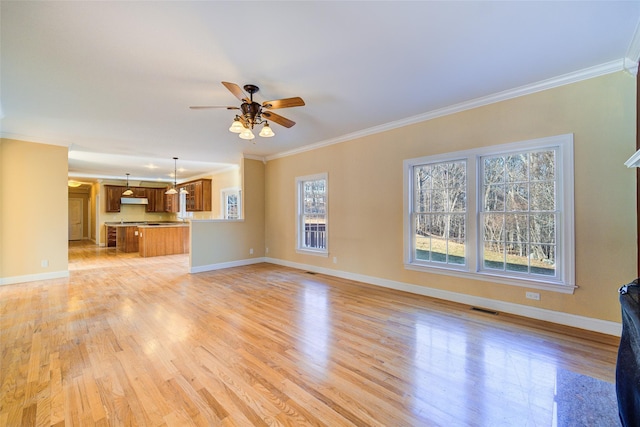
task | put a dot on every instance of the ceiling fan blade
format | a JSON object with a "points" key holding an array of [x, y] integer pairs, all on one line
{"points": [[283, 121], [204, 107], [236, 91], [283, 103]]}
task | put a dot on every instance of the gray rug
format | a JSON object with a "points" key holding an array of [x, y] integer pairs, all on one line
{"points": [[585, 401]]}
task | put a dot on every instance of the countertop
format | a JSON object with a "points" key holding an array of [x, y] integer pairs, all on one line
{"points": [[147, 224]]}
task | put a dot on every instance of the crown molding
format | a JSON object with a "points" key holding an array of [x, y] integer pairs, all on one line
{"points": [[35, 140], [633, 52], [565, 79], [253, 157]]}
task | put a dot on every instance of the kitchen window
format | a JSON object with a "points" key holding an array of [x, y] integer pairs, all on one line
{"points": [[501, 213]]}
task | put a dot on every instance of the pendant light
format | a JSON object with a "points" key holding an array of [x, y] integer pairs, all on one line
{"points": [[173, 190], [128, 191]]}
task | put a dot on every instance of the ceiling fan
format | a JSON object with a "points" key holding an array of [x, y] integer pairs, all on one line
{"points": [[253, 113]]}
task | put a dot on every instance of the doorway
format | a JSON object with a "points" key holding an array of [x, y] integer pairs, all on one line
{"points": [[76, 219]]}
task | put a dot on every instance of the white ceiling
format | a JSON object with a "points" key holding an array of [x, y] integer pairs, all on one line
{"points": [[114, 80]]}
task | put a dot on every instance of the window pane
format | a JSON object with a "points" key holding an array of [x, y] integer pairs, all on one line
{"points": [[493, 255], [439, 175], [517, 197], [458, 200], [493, 198], [543, 259], [423, 201], [517, 168], [457, 175], [493, 170], [422, 239], [543, 165], [457, 253], [543, 196], [517, 257], [543, 228], [494, 227], [516, 228], [439, 200]]}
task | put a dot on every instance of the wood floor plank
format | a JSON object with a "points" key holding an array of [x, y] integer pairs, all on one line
{"points": [[138, 341]]}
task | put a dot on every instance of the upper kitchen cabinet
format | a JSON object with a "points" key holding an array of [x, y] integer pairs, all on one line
{"points": [[199, 197], [156, 199], [139, 192], [114, 193]]}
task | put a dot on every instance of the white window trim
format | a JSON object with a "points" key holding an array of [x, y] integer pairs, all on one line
{"points": [[565, 280], [299, 235]]}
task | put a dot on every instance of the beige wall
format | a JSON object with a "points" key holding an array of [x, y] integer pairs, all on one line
{"points": [[216, 242], [366, 192], [33, 211]]}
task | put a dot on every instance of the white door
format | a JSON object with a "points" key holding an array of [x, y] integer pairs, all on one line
{"points": [[75, 219]]}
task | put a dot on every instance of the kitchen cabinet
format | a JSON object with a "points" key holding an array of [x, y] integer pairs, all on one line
{"points": [[154, 195], [139, 192], [156, 199], [114, 193], [111, 236], [199, 197]]}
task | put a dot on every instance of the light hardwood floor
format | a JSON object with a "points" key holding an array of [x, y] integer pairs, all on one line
{"points": [[139, 341]]}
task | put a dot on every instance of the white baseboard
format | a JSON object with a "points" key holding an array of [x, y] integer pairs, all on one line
{"points": [[221, 265], [34, 277], [581, 322]]}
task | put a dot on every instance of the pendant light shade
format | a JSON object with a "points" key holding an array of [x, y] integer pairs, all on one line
{"points": [[174, 190], [236, 126], [247, 134], [128, 191], [266, 131]]}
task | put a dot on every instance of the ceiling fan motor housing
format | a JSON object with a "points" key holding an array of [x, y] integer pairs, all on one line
{"points": [[251, 113]]}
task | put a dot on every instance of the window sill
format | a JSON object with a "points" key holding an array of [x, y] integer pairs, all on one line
{"points": [[494, 278], [321, 253]]}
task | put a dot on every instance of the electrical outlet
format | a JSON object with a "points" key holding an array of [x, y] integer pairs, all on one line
{"points": [[266, 250], [44, 263], [251, 251], [335, 259], [533, 295]]}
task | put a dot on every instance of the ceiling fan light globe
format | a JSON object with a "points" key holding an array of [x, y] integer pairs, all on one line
{"points": [[266, 131], [247, 134], [236, 127]]}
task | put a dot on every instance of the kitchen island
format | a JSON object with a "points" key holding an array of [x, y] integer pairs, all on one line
{"points": [[163, 239]]}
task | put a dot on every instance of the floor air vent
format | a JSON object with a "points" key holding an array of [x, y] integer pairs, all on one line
{"points": [[484, 310]]}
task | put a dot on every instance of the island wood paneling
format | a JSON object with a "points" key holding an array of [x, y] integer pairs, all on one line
{"points": [[163, 240]]}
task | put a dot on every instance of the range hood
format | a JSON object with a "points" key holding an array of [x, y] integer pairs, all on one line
{"points": [[134, 201]]}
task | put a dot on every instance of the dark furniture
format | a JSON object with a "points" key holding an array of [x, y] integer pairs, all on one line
{"points": [[628, 362]]}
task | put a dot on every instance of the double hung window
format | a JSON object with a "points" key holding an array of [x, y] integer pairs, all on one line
{"points": [[501, 213], [312, 214]]}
